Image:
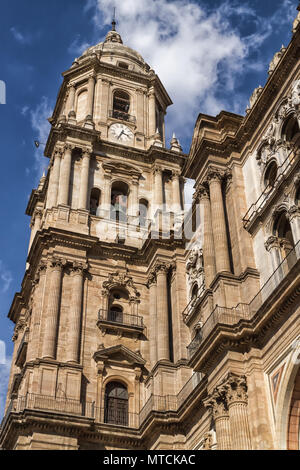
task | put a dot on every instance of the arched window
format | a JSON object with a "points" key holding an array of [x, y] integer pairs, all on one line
{"points": [[195, 291], [118, 302], [270, 175], [143, 212], [121, 105], [116, 404], [297, 198], [290, 130], [94, 201], [81, 106], [119, 193], [283, 231]]}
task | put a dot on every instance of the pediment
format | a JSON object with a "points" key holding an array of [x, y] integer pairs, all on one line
{"points": [[121, 168], [119, 354]]}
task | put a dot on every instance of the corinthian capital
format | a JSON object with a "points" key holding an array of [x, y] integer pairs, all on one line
{"points": [[161, 267], [272, 242], [78, 267], [293, 211], [151, 278], [214, 174], [217, 403], [201, 192], [57, 263], [236, 389]]}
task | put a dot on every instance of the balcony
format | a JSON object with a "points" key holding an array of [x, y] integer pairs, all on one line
{"points": [[71, 407], [191, 307], [120, 322], [101, 415], [282, 172], [22, 350], [223, 316], [121, 115]]}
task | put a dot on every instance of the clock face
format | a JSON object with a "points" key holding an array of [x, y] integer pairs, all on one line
{"points": [[121, 133]]}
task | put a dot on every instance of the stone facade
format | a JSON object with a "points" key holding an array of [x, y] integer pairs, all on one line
{"points": [[133, 330]]}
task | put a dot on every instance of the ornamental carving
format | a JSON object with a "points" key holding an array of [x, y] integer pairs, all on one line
{"points": [[78, 267], [294, 211], [119, 279], [235, 388], [217, 403], [276, 59], [214, 174], [57, 263], [255, 95], [201, 192], [161, 267], [272, 242], [194, 266], [151, 278], [295, 94]]}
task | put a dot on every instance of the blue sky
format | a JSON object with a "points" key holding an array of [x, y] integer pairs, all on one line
{"points": [[210, 54]]}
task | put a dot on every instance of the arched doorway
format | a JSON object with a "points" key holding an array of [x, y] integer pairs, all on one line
{"points": [[116, 404], [293, 439]]}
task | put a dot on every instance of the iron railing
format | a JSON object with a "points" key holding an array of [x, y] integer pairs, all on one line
{"points": [[104, 415], [113, 113], [121, 318], [72, 407], [282, 170], [232, 316]]}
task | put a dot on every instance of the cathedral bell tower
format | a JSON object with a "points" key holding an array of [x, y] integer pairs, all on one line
{"points": [[99, 324]]}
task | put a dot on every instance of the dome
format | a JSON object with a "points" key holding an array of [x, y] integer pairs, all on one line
{"points": [[111, 50]]}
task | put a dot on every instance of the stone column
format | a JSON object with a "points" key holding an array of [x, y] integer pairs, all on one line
{"points": [[217, 403], [52, 312], [35, 225], [236, 394], [105, 85], [38, 295], [90, 98], [54, 179], [84, 179], [153, 318], [64, 180], [90, 102], [71, 102], [133, 202], [202, 197], [77, 272], [272, 245], [162, 331], [158, 190], [176, 192], [152, 112], [140, 111], [106, 197], [218, 220], [293, 215]]}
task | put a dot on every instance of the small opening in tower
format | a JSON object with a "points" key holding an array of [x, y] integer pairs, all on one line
{"points": [[121, 105], [94, 201], [123, 65]]}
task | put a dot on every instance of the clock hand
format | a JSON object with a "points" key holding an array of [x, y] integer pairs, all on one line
{"points": [[120, 134]]}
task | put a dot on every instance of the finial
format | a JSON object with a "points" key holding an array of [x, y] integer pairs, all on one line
{"points": [[114, 21]]}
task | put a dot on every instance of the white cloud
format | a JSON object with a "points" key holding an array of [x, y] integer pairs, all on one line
{"points": [[78, 46], [197, 53], [20, 37], [5, 278], [4, 377], [39, 122]]}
